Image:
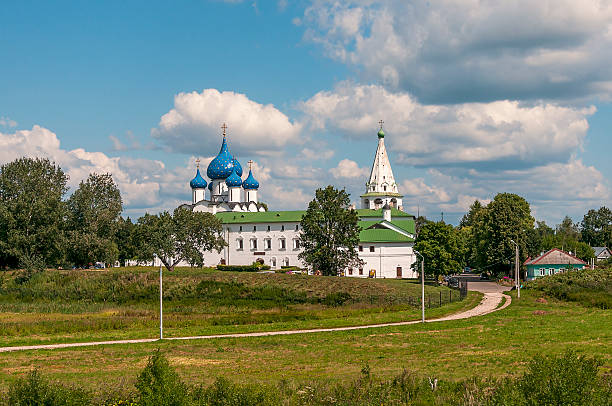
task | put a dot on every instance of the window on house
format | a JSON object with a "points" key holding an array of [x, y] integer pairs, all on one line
{"points": [[371, 248], [273, 262], [254, 228], [384, 188], [240, 244], [360, 271], [350, 272], [286, 261], [283, 227], [254, 244], [240, 228], [297, 227], [360, 248], [268, 228], [268, 243], [281, 243], [296, 244]]}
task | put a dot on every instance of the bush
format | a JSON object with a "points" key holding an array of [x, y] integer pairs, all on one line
{"points": [[336, 299], [34, 390], [565, 380], [243, 268], [159, 385], [590, 287], [223, 392]]}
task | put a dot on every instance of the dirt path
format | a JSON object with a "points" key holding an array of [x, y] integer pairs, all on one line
{"points": [[492, 298]]}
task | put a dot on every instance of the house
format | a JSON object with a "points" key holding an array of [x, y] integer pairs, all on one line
{"points": [[602, 253], [552, 262]]}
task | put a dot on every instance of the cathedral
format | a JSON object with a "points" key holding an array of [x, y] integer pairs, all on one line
{"points": [[255, 234]]}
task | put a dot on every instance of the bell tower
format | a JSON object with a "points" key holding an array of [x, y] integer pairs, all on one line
{"points": [[381, 188]]}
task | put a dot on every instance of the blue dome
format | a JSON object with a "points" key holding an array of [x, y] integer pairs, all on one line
{"points": [[233, 180], [237, 166], [221, 167], [250, 182], [198, 182]]}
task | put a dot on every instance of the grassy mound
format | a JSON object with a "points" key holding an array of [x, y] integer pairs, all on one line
{"points": [[590, 287]]}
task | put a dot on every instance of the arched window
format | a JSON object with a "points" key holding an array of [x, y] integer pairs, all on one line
{"points": [[286, 261], [273, 262]]}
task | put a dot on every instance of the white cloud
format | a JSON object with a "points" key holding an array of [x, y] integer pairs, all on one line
{"points": [[192, 126], [7, 122], [553, 190], [456, 51], [349, 169], [143, 183], [506, 133]]}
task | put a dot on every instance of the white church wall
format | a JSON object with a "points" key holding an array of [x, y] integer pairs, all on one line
{"points": [[384, 259]]}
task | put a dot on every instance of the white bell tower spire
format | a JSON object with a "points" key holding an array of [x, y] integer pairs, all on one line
{"points": [[381, 189]]}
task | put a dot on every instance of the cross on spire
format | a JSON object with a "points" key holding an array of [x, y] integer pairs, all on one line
{"points": [[198, 163], [250, 164], [224, 127], [381, 124]]}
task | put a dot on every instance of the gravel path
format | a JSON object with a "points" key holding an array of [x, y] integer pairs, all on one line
{"points": [[492, 298]]}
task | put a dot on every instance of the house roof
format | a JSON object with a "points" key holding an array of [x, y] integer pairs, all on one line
{"points": [[555, 257], [232, 217], [378, 213], [601, 250], [382, 235]]}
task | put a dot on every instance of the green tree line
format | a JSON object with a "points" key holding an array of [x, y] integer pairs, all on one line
{"points": [[483, 238], [42, 226]]}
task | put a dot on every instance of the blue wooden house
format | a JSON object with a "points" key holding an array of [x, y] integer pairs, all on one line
{"points": [[552, 262]]}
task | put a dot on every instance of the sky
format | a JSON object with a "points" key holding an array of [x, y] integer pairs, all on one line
{"points": [[477, 97]]}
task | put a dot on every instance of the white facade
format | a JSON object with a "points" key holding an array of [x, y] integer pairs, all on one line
{"points": [[385, 260]]}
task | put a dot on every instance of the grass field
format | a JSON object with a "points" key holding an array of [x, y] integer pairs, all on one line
{"points": [[498, 344], [77, 305]]}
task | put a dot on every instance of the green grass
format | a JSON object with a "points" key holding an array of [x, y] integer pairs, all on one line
{"points": [[77, 305], [495, 345]]}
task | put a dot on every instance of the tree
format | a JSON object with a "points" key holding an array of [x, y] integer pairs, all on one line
{"points": [[93, 213], [596, 227], [330, 232], [125, 238], [182, 236], [467, 226], [507, 217], [440, 246], [538, 238], [32, 213]]}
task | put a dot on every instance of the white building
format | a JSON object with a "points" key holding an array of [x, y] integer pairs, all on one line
{"points": [[253, 233]]}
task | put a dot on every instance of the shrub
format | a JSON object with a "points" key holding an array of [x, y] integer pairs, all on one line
{"points": [[223, 392], [159, 385], [565, 380], [243, 268], [34, 390], [336, 299]]}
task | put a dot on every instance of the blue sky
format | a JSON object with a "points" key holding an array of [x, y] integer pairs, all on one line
{"points": [[476, 101]]}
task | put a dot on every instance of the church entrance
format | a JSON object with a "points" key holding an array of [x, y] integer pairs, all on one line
{"points": [[399, 271]]}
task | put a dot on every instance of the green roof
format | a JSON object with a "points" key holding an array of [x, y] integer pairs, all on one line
{"points": [[233, 217], [382, 235], [295, 216], [380, 194], [378, 213]]}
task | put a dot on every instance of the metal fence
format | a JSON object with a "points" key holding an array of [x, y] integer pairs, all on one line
{"points": [[432, 300]]}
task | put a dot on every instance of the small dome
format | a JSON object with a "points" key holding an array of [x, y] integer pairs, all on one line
{"points": [[233, 180], [381, 133], [237, 166], [250, 182], [198, 182], [221, 167]]}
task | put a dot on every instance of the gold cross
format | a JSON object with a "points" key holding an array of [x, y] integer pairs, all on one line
{"points": [[381, 124], [250, 164], [198, 163], [224, 127]]}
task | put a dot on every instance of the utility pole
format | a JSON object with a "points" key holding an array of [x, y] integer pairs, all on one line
{"points": [[161, 306], [517, 280], [422, 286]]}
